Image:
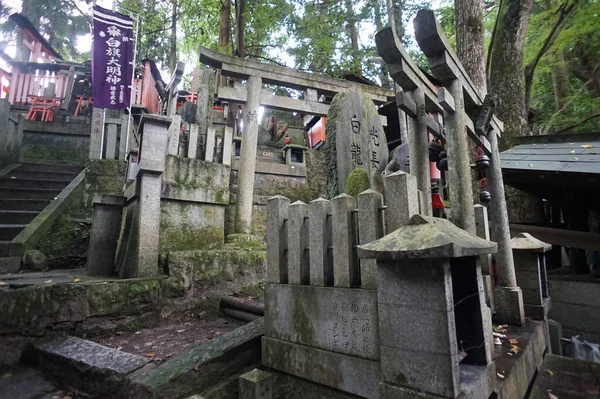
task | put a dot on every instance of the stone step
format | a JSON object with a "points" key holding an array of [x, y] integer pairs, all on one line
{"points": [[32, 174], [17, 217], [93, 368], [10, 265], [10, 231], [25, 383], [23, 204], [38, 167], [29, 193], [33, 183], [4, 247]]}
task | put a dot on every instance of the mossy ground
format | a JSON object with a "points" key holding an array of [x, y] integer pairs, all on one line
{"points": [[357, 182]]}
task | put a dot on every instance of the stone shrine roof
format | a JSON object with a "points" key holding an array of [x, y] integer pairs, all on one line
{"points": [[426, 237], [527, 242]]}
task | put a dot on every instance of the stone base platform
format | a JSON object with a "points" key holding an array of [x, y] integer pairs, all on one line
{"points": [[301, 371], [567, 378]]}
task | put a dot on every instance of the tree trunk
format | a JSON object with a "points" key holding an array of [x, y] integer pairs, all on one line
{"points": [[470, 40], [351, 26], [225, 24], [394, 11], [561, 86], [383, 74], [173, 44], [241, 27], [22, 53], [506, 69]]}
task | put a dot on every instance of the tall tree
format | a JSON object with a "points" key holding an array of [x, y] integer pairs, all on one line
{"points": [[470, 40], [225, 25], [173, 41], [506, 68]]}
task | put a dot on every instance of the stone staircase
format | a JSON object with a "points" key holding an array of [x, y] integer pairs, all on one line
{"points": [[24, 192]]}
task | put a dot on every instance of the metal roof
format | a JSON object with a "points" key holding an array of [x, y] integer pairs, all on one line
{"points": [[566, 157]]}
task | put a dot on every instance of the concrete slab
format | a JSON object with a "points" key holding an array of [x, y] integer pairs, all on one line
{"points": [[25, 383], [567, 378]]}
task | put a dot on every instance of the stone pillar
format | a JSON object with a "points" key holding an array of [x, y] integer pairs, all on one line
{"points": [[174, 130], [192, 141], [111, 141], [227, 145], [142, 248], [418, 140], [106, 225], [459, 173], [97, 134], [482, 228], [402, 199], [277, 217], [256, 384], [297, 239], [346, 272], [370, 228], [508, 296], [321, 266], [124, 135], [247, 165], [210, 145], [428, 280]]}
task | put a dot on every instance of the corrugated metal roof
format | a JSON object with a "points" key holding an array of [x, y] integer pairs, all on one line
{"points": [[568, 157]]}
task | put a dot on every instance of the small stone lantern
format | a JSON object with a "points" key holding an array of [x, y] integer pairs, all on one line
{"points": [[433, 323], [530, 267]]}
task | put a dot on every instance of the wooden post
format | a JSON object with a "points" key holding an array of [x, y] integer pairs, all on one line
{"points": [[247, 165]]}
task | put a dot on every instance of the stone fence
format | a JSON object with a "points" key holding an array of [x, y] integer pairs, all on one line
{"points": [[315, 243]]}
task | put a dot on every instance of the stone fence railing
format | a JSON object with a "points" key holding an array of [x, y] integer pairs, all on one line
{"points": [[315, 243]]}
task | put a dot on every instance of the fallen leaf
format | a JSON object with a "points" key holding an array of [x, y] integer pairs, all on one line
{"points": [[513, 341], [550, 372], [8, 374], [3, 283], [499, 375], [551, 396], [67, 397], [587, 146], [180, 331], [150, 354], [48, 281], [137, 333], [169, 355], [76, 280], [196, 368], [119, 348], [118, 332]]}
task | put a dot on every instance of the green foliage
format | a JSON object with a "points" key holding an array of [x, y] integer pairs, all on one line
{"points": [[357, 182]]}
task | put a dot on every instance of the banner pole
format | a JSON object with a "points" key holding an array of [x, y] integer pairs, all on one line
{"points": [[137, 31]]}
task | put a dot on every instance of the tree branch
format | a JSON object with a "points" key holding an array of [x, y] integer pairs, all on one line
{"points": [[492, 40], [578, 123], [564, 11], [89, 19]]}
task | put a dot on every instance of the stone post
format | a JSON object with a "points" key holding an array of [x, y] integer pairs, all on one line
{"points": [[508, 296], [402, 199], [192, 141], [346, 272], [459, 173], [174, 135], [142, 248], [256, 384], [97, 134], [247, 165], [227, 145], [106, 226], [418, 140], [370, 228], [111, 141], [428, 280], [297, 253], [210, 145], [124, 135], [321, 266], [277, 218], [482, 229]]}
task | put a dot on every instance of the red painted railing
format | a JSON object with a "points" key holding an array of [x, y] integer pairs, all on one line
{"points": [[23, 85]]}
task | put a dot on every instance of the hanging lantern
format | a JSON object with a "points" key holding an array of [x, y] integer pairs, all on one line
{"points": [[482, 162], [485, 196]]}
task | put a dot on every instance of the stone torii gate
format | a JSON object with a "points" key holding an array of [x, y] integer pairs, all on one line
{"points": [[461, 103]]}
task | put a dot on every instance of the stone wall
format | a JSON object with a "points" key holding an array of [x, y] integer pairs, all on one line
{"points": [[11, 134], [103, 176], [55, 143], [576, 305], [189, 225]]}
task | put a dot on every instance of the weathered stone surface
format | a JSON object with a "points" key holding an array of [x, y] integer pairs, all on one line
{"points": [[33, 260], [509, 305], [103, 176], [370, 228], [12, 349], [321, 264], [194, 180], [426, 237], [346, 271], [214, 273], [527, 242], [297, 241], [345, 373], [277, 213], [566, 378], [335, 319], [91, 367], [106, 226], [256, 384], [198, 368], [355, 139], [402, 199], [26, 383]]}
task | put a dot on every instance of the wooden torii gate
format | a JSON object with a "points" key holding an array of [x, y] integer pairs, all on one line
{"points": [[461, 104]]}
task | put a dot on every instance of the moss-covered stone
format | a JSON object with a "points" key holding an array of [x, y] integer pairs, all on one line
{"points": [[357, 182], [104, 176], [47, 154], [66, 237], [189, 226]]}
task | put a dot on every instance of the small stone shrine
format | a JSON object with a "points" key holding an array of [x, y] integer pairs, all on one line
{"points": [[355, 139]]}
